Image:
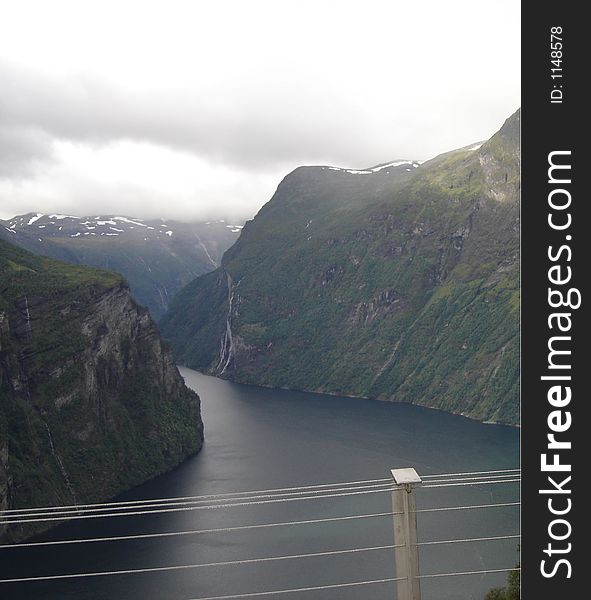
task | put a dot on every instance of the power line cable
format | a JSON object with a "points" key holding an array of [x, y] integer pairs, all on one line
{"points": [[352, 584], [231, 505], [440, 485], [481, 572], [341, 585], [249, 500], [248, 561], [224, 563], [190, 508], [126, 509], [242, 493], [79, 513], [467, 507], [200, 531], [305, 589], [478, 478], [467, 540], [469, 473], [245, 527], [201, 497]]}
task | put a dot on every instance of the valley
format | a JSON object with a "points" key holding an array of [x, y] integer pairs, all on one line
{"points": [[157, 257]]}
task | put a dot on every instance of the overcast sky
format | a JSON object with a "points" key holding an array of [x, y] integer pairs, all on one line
{"points": [[198, 109]]}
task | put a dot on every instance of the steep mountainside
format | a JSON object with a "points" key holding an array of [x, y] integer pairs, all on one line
{"points": [[91, 402], [369, 284], [156, 257]]}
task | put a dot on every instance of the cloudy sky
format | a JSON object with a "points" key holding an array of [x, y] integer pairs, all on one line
{"points": [[197, 109]]}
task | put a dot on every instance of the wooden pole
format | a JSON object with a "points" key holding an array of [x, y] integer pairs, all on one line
{"points": [[406, 556]]}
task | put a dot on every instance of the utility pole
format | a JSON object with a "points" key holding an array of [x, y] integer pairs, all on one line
{"points": [[405, 533]]}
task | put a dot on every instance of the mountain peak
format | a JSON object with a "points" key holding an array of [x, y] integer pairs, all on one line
{"points": [[384, 283]]}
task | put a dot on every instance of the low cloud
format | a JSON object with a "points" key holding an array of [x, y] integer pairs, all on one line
{"points": [[257, 129], [22, 149], [205, 106]]}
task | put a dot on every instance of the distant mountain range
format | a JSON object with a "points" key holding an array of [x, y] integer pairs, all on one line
{"points": [[157, 257], [397, 282]]}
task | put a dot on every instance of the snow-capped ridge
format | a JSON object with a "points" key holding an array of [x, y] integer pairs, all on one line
{"points": [[57, 225], [391, 165]]}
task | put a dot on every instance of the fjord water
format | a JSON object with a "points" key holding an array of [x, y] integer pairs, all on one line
{"points": [[261, 438]]}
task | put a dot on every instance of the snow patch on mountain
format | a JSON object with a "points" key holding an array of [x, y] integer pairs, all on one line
{"points": [[34, 218], [126, 220], [378, 168]]}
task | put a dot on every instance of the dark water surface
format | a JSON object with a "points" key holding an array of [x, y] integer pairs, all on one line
{"points": [[257, 439]]}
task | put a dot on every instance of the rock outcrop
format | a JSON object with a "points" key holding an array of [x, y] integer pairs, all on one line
{"points": [[91, 401]]}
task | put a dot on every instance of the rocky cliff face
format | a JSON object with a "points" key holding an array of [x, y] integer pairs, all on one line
{"points": [[91, 402], [398, 283]]}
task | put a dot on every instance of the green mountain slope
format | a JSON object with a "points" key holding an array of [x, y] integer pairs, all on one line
{"points": [[156, 257], [398, 286], [91, 402]]}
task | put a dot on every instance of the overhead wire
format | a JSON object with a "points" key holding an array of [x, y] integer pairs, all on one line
{"points": [[305, 589], [23, 517], [467, 507], [248, 527], [191, 508], [351, 584], [467, 540], [477, 478], [480, 572], [13, 521], [329, 486], [126, 509], [178, 506], [199, 531], [469, 473], [259, 497], [488, 482], [201, 497], [247, 561], [201, 565]]}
